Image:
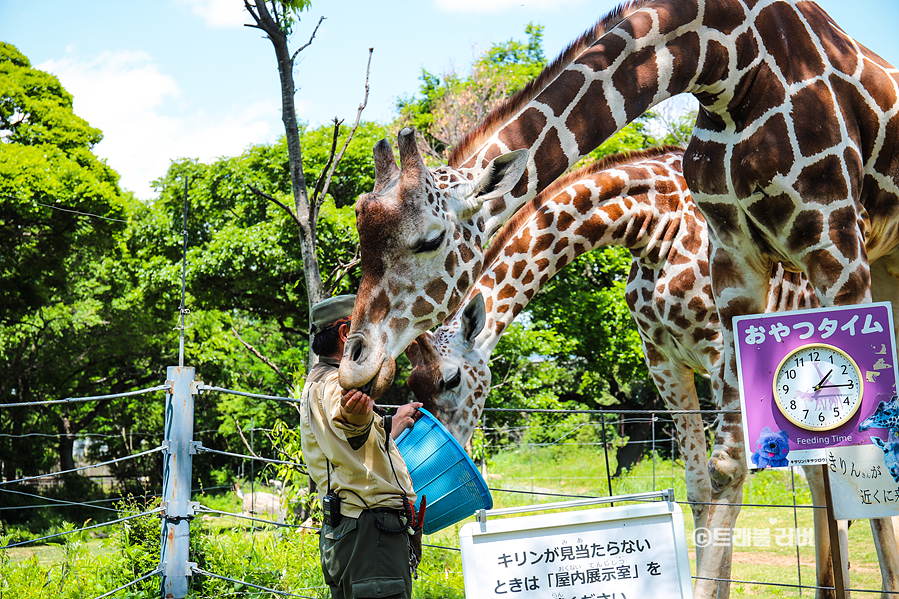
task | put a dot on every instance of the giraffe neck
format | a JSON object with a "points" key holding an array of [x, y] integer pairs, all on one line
{"points": [[643, 60], [631, 205]]}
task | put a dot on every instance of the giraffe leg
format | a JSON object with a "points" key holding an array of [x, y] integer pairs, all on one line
{"points": [[741, 287], [678, 389], [823, 561]]}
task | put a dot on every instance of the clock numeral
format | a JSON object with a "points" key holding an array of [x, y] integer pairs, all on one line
{"points": [[799, 362], [814, 356], [805, 417], [851, 384], [831, 358], [792, 404], [821, 417], [844, 370], [836, 413], [786, 389], [846, 401], [791, 373]]}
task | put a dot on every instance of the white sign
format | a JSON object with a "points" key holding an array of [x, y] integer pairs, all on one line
{"points": [[861, 483], [625, 552]]}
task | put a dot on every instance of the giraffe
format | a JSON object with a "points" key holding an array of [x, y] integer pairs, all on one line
{"points": [[794, 159], [640, 202]]}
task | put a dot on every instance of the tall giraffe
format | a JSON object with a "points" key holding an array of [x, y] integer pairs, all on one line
{"points": [[794, 159], [640, 202]]}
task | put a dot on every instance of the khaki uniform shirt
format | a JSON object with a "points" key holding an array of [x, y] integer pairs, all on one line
{"points": [[358, 460]]}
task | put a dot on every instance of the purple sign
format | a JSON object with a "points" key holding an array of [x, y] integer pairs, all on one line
{"points": [[812, 380]]}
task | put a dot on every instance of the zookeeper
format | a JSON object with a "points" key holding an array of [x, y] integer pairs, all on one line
{"points": [[366, 545]]}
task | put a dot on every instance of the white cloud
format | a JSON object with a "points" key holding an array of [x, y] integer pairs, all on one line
{"points": [[145, 127], [487, 6], [219, 14]]}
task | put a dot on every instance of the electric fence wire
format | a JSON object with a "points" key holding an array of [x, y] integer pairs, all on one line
{"points": [[80, 468], [155, 572], [792, 586], [610, 411], [82, 399], [81, 435], [206, 510], [55, 504], [202, 572], [91, 503], [765, 505], [245, 394], [84, 528], [203, 449]]}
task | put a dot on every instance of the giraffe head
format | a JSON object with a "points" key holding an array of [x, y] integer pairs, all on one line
{"points": [[450, 375], [420, 238]]}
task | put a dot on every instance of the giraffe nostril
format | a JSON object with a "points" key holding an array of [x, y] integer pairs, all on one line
{"points": [[356, 347]]}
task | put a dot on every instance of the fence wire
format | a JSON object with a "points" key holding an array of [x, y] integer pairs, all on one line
{"points": [[80, 468], [155, 572], [206, 510], [246, 394], [82, 399], [202, 572], [203, 449], [82, 529]]}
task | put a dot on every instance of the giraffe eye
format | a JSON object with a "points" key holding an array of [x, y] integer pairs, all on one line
{"points": [[430, 245], [453, 381]]}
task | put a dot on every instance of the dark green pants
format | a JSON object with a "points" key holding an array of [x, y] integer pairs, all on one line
{"points": [[359, 561]]}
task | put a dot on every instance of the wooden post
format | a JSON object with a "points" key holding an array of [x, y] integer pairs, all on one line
{"points": [[836, 554]]}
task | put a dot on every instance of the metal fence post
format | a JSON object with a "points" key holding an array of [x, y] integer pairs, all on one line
{"points": [[176, 481]]}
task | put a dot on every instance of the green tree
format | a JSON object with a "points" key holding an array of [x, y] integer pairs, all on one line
{"points": [[67, 316]]}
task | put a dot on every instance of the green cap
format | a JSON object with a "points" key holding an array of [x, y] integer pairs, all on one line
{"points": [[334, 308]]}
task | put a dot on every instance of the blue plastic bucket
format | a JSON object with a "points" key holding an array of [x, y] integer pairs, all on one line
{"points": [[442, 472]]}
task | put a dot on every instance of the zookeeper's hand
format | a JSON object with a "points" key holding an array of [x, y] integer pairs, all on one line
{"points": [[356, 404], [404, 418]]}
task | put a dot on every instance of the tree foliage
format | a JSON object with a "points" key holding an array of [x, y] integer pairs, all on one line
{"points": [[90, 278], [450, 105]]}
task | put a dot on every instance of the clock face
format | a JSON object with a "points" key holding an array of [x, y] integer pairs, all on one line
{"points": [[818, 387]]}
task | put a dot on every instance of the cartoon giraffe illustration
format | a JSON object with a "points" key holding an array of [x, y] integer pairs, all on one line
{"points": [[639, 201]]}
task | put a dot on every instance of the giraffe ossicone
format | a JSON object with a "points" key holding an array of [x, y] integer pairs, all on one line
{"points": [[429, 258]]}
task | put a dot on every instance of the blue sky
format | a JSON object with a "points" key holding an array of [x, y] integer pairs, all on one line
{"points": [[172, 78]]}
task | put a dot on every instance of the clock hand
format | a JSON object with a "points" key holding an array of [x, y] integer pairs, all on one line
{"points": [[846, 385], [821, 384]]}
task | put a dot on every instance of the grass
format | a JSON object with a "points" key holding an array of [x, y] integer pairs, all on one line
{"points": [[287, 559]]}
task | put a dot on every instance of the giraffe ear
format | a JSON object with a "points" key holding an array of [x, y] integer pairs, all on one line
{"points": [[498, 179], [414, 354], [385, 164], [473, 318]]}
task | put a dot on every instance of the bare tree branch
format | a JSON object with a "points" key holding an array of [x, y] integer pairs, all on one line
{"points": [[249, 7], [246, 444], [325, 170], [265, 360], [307, 44], [505, 377], [272, 199], [343, 270], [320, 199]]}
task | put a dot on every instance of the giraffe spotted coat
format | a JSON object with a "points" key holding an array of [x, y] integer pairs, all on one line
{"points": [[794, 159]]}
